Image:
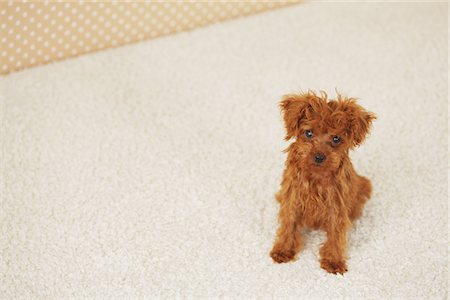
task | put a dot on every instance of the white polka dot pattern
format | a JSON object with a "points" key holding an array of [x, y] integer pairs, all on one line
{"points": [[34, 33]]}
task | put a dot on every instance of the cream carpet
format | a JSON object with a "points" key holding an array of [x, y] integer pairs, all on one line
{"points": [[150, 170]]}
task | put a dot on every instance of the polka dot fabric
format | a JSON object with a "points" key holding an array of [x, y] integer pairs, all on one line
{"points": [[34, 33]]}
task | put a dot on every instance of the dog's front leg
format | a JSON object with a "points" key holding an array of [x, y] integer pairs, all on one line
{"points": [[289, 240], [333, 252]]}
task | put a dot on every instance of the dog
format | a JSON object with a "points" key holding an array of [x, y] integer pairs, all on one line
{"points": [[320, 189]]}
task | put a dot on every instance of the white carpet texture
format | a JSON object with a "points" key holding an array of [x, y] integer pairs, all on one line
{"points": [[150, 170]]}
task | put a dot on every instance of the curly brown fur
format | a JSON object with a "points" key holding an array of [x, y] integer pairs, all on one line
{"points": [[320, 188]]}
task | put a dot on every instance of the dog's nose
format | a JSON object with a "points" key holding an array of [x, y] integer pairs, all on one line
{"points": [[319, 158]]}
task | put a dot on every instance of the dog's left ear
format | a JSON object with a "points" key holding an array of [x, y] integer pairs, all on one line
{"points": [[359, 121]]}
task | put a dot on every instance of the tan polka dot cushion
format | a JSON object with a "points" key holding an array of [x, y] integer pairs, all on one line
{"points": [[34, 33]]}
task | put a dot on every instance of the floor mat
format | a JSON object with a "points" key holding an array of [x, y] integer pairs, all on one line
{"points": [[150, 170]]}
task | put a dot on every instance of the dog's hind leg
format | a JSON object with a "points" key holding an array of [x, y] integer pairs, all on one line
{"points": [[363, 194]]}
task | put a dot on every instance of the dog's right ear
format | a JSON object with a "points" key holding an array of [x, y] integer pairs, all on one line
{"points": [[294, 109]]}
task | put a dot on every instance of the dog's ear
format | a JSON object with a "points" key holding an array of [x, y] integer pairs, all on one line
{"points": [[294, 109], [359, 120]]}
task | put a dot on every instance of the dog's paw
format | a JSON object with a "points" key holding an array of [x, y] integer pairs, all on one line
{"points": [[334, 267], [282, 256]]}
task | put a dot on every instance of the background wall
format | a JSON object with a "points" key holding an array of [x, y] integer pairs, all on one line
{"points": [[34, 33]]}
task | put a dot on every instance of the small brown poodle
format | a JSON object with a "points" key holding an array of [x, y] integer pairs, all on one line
{"points": [[320, 188]]}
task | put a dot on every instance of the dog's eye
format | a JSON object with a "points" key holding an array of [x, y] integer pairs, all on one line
{"points": [[336, 140], [308, 134]]}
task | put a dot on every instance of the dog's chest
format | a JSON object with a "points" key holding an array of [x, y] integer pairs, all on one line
{"points": [[317, 205]]}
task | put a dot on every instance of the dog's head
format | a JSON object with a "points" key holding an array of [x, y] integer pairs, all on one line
{"points": [[324, 129]]}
